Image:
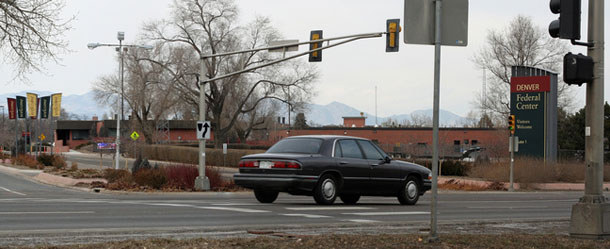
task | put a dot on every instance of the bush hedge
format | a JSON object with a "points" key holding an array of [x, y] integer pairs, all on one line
{"points": [[189, 155]]}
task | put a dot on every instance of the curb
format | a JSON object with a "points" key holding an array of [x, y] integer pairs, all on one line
{"points": [[50, 179], [517, 186]]}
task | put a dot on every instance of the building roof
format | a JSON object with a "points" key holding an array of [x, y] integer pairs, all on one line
{"points": [[75, 124]]}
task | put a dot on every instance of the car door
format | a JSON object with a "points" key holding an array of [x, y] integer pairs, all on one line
{"points": [[384, 176], [352, 165]]}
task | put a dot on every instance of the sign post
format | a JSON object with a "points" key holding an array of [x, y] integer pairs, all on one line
{"points": [[202, 182]]}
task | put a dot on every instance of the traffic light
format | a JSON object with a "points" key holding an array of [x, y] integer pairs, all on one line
{"points": [[393, 30], [317, 55], [511, 124], [568, 24], [577, 69]]}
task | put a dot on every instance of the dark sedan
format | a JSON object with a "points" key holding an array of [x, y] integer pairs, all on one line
{"points": [[329, 166]]}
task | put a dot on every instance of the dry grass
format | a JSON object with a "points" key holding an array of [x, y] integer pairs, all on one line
{"points": [[454, 184], [528, 170], [505, 241]]}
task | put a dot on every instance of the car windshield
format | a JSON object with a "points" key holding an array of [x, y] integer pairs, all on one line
{"points": [[297, 145]]}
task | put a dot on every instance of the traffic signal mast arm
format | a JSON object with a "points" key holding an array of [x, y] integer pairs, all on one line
{"points": [[350, 38]]}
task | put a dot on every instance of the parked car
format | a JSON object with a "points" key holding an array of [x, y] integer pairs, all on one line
{"points": [[327, 167]]}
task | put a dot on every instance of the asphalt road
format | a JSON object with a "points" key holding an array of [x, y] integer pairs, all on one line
{"points": [[32, 213]]}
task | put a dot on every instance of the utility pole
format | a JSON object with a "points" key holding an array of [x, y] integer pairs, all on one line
{"points": [[590, 215], [202, 182]]}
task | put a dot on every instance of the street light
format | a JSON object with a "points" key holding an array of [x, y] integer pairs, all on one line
{"points": [[121, 48]]}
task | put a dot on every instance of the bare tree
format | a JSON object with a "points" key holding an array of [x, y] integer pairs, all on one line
{"points": [[31, 33], [149, 90], [520, 44], [204, 27]]}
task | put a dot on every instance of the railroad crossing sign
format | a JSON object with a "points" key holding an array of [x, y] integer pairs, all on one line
{"points": [[42, 137], [203, 130], [135, 136]]}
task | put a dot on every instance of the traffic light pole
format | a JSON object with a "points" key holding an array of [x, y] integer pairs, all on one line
{"points": [[433, 236], [590, 215], [512, 161]]}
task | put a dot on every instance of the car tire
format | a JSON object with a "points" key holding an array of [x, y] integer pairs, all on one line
{"points": [[349, 199], [264, 196], [326, 191], [409, 193]]}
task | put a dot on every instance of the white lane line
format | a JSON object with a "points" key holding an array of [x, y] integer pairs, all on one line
{"points": [[509, 207], [362, 221], [313, 216], [327, 208], [20, 199], [388, 213], [54, 212], [169, 205], [11, 191], [242, 210]]}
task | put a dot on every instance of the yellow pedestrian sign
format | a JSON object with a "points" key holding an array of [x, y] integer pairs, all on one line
{"points": [[42, 137], [135, 136]]}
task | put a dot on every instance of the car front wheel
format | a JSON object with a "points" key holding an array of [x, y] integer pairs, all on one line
{"points": [[265, 196], [326, 191], [409, 194]]}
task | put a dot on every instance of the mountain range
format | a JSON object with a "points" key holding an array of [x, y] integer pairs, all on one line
{"points": [[85, 106]]}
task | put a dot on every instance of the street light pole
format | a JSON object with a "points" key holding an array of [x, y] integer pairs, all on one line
{"points": [[120, 47]]}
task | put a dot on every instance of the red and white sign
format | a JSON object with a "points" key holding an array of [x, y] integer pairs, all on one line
{"points": [[530, 84]]}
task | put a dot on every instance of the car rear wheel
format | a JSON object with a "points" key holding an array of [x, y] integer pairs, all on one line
{"points": [[409, 194], [265, 196], [326, 191], [349, 199]]}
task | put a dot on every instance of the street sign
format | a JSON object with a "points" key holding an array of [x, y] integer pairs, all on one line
{"points": [[224, 148], [203, 130], [284, 49], [420, 21], [135, 136], [42, 137]]}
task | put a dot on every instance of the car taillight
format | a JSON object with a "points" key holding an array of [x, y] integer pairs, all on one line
{"points": [[286, 165], [248, 164]]}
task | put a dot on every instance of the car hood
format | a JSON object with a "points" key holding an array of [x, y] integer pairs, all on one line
{"points": [[412, 165]]}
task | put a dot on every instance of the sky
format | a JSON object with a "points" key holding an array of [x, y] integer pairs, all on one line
{"points": [[348, 73]]}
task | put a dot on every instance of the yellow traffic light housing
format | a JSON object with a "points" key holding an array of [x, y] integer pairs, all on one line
{"points": [[317, 55], [393, 30], [511, 124]]}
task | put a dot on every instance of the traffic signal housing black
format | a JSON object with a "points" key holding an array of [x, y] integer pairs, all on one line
{"points": [[317, 55], [577, 69], [568, 24], [511, 124], [393, 31]]}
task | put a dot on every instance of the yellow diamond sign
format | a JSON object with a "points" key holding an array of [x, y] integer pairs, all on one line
{"points": [[42, 137], [135, 136]]}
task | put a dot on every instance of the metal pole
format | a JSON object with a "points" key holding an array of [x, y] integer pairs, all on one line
{"points": [[435, 122], [202, 182], [589, 215], [512, 161], [122, 88]]}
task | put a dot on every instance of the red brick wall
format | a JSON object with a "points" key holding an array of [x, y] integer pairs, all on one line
{"points": [[354, 121]]}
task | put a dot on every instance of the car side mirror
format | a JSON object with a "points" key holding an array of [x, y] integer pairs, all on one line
{"points": [[387, 159]]}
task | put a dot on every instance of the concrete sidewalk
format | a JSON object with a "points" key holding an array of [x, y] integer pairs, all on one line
{"points": [[46, 178]]}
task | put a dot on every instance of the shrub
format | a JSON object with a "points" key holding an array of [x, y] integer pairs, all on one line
{"points": [[45, 159], [74, 166], [118, 179], [80, 146], [140, 164], [28, 161], [59, 162], [154, 178], [181, 176], [454, 168]]}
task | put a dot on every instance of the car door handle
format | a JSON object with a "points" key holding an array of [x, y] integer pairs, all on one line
{"points": [[375, 164], [342, 162]]}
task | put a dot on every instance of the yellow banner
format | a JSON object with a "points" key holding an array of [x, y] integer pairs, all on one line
{"points": [[32, 104], [56, 104]]}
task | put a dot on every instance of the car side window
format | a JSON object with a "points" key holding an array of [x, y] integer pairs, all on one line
{"points": [[350, 149], [338, 152], [370, 151]]}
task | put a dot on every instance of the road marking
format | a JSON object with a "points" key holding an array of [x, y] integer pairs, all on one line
{"points": [[53, 212], [526, 207], [327, 208], [362, 221], [388, 213], [11, 191], [168, 205], [20, 199], [242, 210], [313, 216]]}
